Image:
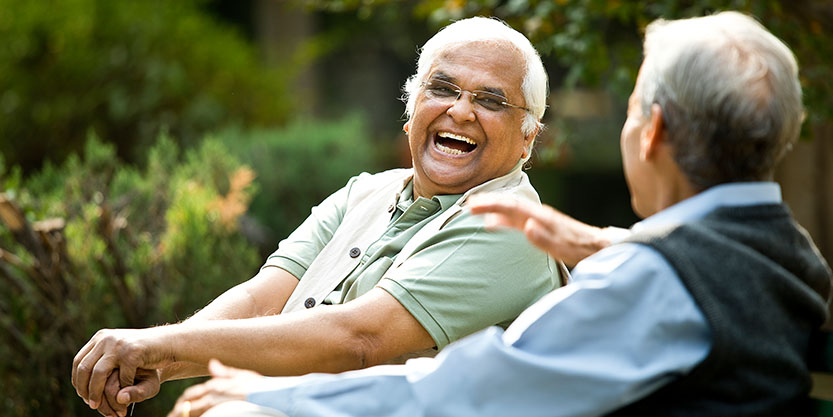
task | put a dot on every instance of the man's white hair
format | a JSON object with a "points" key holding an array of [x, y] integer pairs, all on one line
{"points": [[729, 93], [477, 29]]}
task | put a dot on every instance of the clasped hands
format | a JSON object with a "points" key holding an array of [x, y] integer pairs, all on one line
{"points": [[118, 367]]}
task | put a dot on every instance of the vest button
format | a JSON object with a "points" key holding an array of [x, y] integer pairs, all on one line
{"points": [[309, 302], [355, 252]]}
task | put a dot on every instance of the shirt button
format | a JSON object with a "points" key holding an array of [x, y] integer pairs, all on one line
{"points": [[309, 302], [355, 252]]}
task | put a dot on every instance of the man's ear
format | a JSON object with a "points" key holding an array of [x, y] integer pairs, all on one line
{"points": [[406, 127], [529, 139], [532, 135], [652, 135]]}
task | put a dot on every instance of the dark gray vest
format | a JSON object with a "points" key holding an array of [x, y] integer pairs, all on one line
{"points": [[762, 286]]}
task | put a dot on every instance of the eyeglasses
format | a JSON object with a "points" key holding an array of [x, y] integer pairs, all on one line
{"points": [[447, 93]]}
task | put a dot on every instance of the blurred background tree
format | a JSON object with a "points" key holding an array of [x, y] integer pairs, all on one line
{"points": [[127, 69], [152, 153]]}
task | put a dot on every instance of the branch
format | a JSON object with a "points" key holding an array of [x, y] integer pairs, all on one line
{"points": [[18, 339], [106, 229], [11, 215]]}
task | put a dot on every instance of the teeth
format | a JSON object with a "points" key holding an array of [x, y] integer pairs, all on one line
{"points": [[456, 137], [446, 149]]}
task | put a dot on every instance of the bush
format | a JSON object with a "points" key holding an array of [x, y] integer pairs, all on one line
{"points": [[127, 69], [300, 165], [98, 243]]}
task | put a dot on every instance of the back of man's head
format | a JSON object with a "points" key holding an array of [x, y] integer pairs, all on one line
{"points": [[729, 94]]}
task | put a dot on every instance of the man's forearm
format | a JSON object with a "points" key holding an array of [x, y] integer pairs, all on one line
{"points": [[264, 294], [323, 339]]}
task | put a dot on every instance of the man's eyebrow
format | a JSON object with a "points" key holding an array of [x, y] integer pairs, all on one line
{"points": [[498, 91], [439, 75]]}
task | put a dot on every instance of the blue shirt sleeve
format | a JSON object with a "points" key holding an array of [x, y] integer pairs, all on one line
{"points": [[621, 329]]}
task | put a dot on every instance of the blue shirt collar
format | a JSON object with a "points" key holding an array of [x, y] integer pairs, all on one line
{"points": [[697, 206]]}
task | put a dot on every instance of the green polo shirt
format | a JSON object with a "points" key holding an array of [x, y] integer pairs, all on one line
{"points": [[465, 279]]}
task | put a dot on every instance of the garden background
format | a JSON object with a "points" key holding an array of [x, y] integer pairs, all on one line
{"points": [[153, 152]]}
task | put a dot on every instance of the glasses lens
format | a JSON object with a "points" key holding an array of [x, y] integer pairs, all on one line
{"points": [[442, 90], [446, 92], [489, 101]]}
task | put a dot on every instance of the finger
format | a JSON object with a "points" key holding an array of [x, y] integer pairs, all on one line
{"points": [[111, 391], [98, 377], [494, 221], [105, 410], [181, 408], [77, 361], [218, 370], [509, 212], [196, 391], [85, 369], [126, 375], [494, 204], [547, 240], [142, 390], [200, 406]]}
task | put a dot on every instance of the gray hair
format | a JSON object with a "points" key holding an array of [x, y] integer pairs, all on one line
{"points": [[476, 29], [729, 94]]}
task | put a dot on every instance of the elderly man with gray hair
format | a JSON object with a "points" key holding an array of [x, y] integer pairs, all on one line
{"points": [[392, 263], [704, 308]]}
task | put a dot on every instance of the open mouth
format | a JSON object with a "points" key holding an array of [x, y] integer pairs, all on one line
{"points": [[454, 144]]}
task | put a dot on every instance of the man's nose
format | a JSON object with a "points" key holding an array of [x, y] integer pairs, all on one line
{"points": [[462, 110]]}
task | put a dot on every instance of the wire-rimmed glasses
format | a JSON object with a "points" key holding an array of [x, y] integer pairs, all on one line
{"points": [[447, 93]]}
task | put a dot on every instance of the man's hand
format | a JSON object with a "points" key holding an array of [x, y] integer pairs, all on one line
{"points": [[112, 359], [117, 399], [562, 236], [228, 384]]}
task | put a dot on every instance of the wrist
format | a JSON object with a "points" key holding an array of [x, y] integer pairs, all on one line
{"points": [[160, 346]]}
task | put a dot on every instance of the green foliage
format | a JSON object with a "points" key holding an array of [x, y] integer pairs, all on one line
{"points": [[126, 69], [300, 165], [597, 43], [143, 246], [135, 248]]}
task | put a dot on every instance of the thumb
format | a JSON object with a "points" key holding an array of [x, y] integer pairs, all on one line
{"points": [[136, 393], [126, 375]]}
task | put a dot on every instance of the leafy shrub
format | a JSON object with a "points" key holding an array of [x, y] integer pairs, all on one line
{"points": [[127, 69], [112, 245], [125, 247], [300, 165]]}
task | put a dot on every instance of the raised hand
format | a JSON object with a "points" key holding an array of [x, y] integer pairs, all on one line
{"points": [[560, 235]]}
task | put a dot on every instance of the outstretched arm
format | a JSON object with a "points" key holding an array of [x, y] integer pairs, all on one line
{"points": [[585, 349], [560, 235]]}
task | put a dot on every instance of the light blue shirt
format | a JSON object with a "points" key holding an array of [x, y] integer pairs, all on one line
{"points": [[622, 328]]}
